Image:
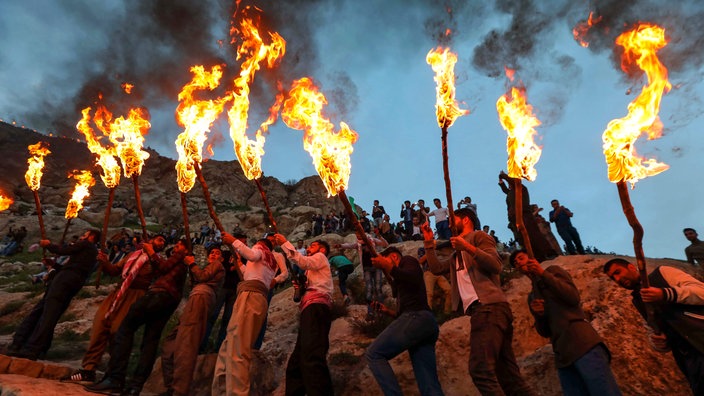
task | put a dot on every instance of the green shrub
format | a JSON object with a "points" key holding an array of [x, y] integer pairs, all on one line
{"points": [[12, 306]]}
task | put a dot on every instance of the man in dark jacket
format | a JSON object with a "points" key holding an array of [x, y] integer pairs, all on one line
{"points": [[581, 358], [152, 311], [33, 336], [677, 300]]}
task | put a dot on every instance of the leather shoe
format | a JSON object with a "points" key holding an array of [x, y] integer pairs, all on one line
{"points": [[105, 387]]}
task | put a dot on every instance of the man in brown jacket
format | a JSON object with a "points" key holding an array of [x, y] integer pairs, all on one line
{"points": [[474, 276], [581, 358]]}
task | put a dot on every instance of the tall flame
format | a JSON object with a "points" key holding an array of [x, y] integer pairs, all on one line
{"points": [[5, 201], [516, 117], [640, 46], [34, 173], [127, 134], [330, 150], [442, 61], [582, 28], [196, 116], [109, 168], [254, 51], [84, 181]]}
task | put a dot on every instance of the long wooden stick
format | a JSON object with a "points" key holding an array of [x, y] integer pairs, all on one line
{"points": [[186, 226], [208, 200], [518, 200], [106, 220], [637, 231], [448, 185], [140, 212], [63, 236], [38, 205], [266, 205]]}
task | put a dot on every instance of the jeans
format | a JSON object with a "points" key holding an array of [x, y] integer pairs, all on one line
{"points": [[589, 375], [571, 238], [372, 284], [443, 228], [225, 301], [417, 332], [492, 363]]}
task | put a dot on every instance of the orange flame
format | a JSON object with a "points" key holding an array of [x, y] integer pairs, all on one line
{"points": [[330, 150], [640, 46], [5, 201], [196, 116], [34, 173], [443, 62], [249, 152], [84, 181], [582, 28], [127, 87], [516, 117], [109, 168], [127, 134]]}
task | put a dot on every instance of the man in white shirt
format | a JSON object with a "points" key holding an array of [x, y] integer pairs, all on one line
{"points": [[442, 224], [307, 369], [231, 375]]}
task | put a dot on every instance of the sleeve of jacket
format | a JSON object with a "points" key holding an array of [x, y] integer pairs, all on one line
{"points": [[436, 265], [560, 282], [541, 322], [212, 271], [684, 288], [486, 257]]}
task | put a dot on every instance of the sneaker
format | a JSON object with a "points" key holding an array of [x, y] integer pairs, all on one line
{"points": [[106, 387], [79, 376]]}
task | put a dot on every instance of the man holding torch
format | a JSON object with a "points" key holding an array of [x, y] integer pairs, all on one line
{"points": [[307, 369], [677, 299], [135, 279], [581, 358], [33, 336], [231, 375], [474, 277]]}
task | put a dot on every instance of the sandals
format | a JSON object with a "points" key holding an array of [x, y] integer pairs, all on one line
{"points": [[80, 376]]}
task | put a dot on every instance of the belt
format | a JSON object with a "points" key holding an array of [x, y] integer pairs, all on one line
{"points": [[472, 307]]}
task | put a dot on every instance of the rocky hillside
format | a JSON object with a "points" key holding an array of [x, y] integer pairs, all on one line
{"points": [[236, 199]]}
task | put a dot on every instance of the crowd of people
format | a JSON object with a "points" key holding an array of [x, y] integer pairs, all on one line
{"points": [[238, 279]]}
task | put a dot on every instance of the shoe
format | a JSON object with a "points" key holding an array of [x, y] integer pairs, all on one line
{"points": [[131, 391], [79, 376], [105, 387], [23, 354]]}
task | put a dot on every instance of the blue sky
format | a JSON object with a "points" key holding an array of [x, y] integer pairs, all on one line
{"points": [[369, 59]]}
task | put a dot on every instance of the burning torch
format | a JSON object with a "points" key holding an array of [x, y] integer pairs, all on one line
{"points": [[330, 150], [84, 181], [516, 117], [442, 61], [640, 46], [5, 201], [109, 168], [127, 134], [249, 152], [34, 174], [196, 116]]}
